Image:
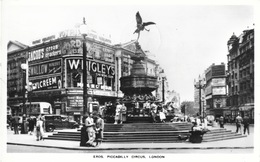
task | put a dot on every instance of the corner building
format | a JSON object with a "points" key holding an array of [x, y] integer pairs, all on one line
{"points": [[240, 77], [56, 73], [215, 91]]}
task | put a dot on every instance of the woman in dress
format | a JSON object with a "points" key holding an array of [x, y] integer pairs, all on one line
{"points": [[39, 128]]}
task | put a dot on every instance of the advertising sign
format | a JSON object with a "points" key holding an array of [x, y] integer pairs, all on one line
{"points": [[219, 102], [91, 34], [92, 66], [75, 101], [101, 52], [219, 91], [44, 53], [73, 46], [218, 81], [48, 83], [52, 67], [208, 90]]}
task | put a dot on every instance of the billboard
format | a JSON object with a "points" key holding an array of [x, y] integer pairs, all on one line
{"points": [[219, 91], [208, 90], [46, 68], [219, 103], [44, 53], [47, 83], [219, 82]]}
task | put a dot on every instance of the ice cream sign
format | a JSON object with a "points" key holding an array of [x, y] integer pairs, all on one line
{"points": [[47, 83]]}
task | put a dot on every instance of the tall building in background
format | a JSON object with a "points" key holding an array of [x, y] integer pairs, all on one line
{"points": [[215, 90], [240, 78]]}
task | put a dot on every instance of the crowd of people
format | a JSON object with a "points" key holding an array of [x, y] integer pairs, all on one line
{"points": [[120, 111], [27, 125]]}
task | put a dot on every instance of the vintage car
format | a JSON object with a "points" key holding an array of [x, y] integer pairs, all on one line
{"points": [[58, 122]]}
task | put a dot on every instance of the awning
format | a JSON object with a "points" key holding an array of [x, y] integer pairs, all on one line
{"points": [[246, 108], [15, 105]]}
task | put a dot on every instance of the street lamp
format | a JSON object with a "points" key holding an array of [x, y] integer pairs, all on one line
{"points": [[163, 90], [163, 76], [199, 85], [24, 68], [83, 31], [29, 90]]}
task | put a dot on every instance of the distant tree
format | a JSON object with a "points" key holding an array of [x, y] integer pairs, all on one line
{"points": [[187, 108]]}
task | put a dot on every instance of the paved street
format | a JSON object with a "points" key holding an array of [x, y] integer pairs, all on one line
{"points": [[33, 149]]}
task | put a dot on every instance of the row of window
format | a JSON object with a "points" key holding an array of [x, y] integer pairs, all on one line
{"points": [[75, 79]]}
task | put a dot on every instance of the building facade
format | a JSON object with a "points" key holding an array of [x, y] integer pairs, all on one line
{"points": [[216, 90], [240, 78], [55, 72]]}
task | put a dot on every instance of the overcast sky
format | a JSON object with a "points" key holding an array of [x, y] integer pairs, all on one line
{"points": [[186, 39]]}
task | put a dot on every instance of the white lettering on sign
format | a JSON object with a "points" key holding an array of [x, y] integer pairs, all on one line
{"points": [[47, 52], [36, 55], [92, 66], [45, 83]]}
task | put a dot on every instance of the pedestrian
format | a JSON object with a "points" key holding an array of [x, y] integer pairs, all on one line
{"points": [[246, 122], [154, 114], [162, 115], [123, 112], [39, 128], [31, 125], [99, 130], [137, 109], [24, 125], [239, 121], [147, 108], [198, 121], [15, 123], [89, 123], [221, 122], [118, 115], [83, 133], [205, 123]]}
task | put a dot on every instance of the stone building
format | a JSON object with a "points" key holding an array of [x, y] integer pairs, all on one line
{"points": [[240, 78]]}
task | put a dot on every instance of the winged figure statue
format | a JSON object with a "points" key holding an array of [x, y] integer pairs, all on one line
{"points": [[141, 25]]}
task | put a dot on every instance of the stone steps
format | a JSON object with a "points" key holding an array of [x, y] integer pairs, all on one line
{"points": [[148, 132]]}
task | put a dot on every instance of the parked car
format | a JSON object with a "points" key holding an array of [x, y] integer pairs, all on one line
{"points": [[58, 122]]}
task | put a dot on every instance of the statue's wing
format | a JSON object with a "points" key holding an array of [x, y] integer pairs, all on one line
{"points": [[138, 18], [148, 23]]}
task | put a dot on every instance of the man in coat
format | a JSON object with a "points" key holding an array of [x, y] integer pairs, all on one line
{"points": [[246, 122]]}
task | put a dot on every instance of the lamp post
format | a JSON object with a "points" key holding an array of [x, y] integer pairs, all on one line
{"points": [[162, 74], [29, 89], [199, 85], [24, 68], [83, 31], [163, 93]]}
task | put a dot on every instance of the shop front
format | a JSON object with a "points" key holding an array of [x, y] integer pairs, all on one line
{"points": [[247, 110]]}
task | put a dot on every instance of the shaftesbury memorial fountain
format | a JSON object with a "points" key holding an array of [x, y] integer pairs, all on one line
{"points": [[138, 86]]}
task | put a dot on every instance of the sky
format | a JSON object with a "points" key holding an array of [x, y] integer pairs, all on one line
{"points": [[185, 41]]}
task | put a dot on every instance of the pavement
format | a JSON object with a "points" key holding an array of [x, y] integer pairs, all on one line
{"points": [[30, 140]]}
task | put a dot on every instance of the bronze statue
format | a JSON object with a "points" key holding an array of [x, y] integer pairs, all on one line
{"points": [[141, 25]]}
